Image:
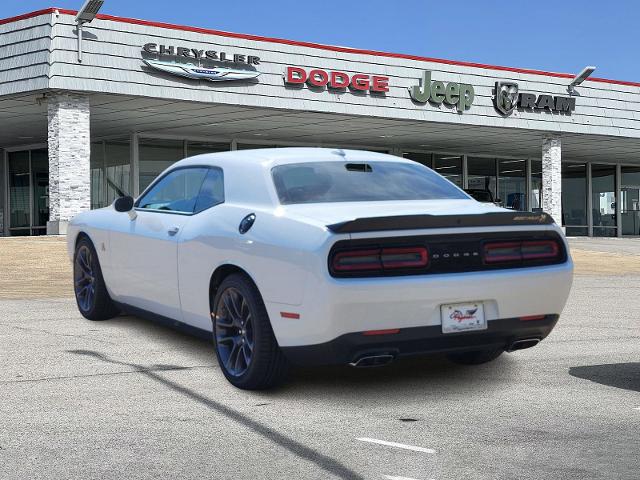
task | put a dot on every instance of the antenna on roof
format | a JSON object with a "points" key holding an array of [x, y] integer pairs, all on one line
{"points": [[339, 152]]}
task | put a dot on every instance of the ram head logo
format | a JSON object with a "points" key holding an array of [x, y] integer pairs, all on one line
{"points": [[506, 97]]}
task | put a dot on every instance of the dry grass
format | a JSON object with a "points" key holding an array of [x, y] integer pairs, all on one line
{"points": [[34, 267], [38, 267], [589, 262]]}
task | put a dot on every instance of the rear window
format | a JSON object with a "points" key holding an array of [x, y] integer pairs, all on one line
{"points": [[320, 182]]}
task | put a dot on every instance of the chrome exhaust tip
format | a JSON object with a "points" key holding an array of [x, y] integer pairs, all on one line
{"points": [[522, 344], [372, 361]]}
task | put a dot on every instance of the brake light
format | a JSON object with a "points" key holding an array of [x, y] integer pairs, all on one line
{"points": [[357, 260], [499, 252], [540, 249], [412, 257], [502, 252], [380, 259]]}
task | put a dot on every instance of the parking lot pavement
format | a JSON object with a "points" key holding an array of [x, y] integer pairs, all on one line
{"points": [[127, 398]]}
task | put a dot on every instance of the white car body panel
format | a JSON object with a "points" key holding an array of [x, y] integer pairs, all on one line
{"points": [[285, 254]]}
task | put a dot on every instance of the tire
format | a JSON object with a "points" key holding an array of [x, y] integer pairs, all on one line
{"points": [[91, 294], [476, 357], [247, 350]]}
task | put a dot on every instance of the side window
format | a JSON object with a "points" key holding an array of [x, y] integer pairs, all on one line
{"points": [[212, 191], [176, 192]]}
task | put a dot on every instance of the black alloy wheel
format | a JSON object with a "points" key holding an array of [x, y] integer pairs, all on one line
{"points": [[246, 347], [84, 278], [90, 290], [234, 332]]}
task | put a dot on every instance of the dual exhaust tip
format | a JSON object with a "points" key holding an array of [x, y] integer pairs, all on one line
{"points": [[373, 360], [522, 344], [386, 358]]}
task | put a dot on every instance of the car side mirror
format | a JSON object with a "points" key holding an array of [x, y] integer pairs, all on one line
{"points": [[125, 204]]}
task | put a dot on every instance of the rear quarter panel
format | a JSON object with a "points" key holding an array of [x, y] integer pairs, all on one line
{"points": [[280, 255]]}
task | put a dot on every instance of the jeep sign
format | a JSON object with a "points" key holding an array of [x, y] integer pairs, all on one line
{"points": [[459, 94]]}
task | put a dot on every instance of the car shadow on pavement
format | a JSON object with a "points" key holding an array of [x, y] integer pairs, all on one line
{"points": [[330, 465], [619, 375], [418, 376], [421, 375]]}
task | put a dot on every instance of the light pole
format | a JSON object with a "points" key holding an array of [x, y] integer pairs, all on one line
{"points": [[581, 77], [86, 14]]}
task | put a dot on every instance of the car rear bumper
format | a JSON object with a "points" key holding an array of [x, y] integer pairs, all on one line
{"points": [[333, 308], [501, 333]]}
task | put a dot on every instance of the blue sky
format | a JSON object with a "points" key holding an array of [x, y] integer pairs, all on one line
{"points": [[558, 35]]}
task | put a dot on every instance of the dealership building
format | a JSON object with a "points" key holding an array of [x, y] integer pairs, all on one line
{"points": [[96, 107]]}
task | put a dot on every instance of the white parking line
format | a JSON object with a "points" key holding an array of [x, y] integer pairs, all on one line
{"points": [[397, 445], [389, 477]]}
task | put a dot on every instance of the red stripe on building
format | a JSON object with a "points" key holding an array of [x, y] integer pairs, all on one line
{"points": [[318, 46]]}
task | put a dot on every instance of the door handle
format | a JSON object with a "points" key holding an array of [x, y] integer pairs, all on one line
{"points": [[173, 230]]}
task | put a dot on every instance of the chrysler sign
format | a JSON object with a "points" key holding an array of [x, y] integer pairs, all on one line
{"points": [[209, 65]]}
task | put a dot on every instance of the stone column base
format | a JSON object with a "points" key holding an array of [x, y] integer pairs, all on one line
{"points": [[57, 227]]}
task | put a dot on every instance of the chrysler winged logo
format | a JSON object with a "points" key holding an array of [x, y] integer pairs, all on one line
{"points": [[506, 97], [213, 74]]}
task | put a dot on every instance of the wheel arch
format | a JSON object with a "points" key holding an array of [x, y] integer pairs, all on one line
{"points": [[79, 236], [222, 272]]}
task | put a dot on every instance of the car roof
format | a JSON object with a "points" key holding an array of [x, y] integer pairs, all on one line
{"points": [[270, 157], [247, 172]]}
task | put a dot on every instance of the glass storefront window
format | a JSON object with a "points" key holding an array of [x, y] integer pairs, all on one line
{"points": [[251, 146], [2, 195], [28, 195], [536, 186], [574, 198], [96, 162], [423, 158], [450, 167], [603, 198], [481, 174], [19, 196], [512, 183], [630, 200], [198, 148], [110, 171], [157, 155], [117, 163], [40, 186]]}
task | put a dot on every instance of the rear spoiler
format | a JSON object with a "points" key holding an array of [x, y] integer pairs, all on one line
{"points": [[417, 222]]}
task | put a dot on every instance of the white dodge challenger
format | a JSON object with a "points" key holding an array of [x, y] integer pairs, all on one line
{"points": [[318, 256]]}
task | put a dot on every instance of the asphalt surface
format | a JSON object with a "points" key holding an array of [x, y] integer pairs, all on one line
{"points": [[129, 399]]}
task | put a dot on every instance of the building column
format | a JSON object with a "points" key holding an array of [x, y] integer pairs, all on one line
{"points": [[552, 177], [69, 153]]}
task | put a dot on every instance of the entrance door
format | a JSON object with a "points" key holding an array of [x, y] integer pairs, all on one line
{"points": [[28, 195], [630, 212], [630, 200]]}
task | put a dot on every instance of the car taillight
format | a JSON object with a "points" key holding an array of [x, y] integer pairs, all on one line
{"points": [[409, 257], [502, 252], [540, 249], [357, 260], [380, 259]]}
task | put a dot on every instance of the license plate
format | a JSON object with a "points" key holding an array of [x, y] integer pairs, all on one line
{"points": [[462, 317]]}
